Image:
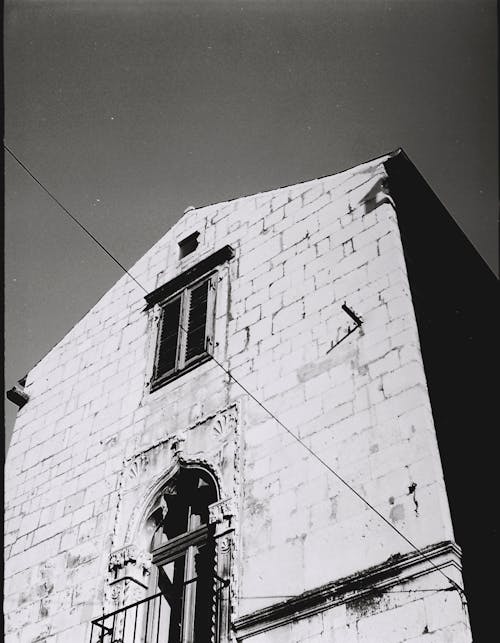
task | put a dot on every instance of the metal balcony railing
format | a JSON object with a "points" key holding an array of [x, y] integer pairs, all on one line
{"points": [[147, 621], [155, 619]]}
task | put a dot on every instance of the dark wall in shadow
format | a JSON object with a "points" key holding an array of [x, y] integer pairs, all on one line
{"points": [[455, 298]]}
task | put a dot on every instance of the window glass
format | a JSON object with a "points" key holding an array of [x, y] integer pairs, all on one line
{"points": [[170, 581], [184, 559]]}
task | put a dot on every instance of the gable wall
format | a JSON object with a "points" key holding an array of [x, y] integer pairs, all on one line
{"points": [[300, 253]]}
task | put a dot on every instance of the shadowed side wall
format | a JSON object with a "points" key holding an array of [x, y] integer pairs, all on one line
{"points": [[455, 296]]}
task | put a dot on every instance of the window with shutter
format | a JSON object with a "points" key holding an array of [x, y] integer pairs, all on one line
{"points": [[169, 337], [197, 321], [184, 330]]}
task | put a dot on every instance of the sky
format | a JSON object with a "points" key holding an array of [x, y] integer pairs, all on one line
{"points": [[131, 111]]}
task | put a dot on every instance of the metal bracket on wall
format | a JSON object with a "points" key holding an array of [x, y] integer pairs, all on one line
{"points": [[134, 580], [357, 324]]}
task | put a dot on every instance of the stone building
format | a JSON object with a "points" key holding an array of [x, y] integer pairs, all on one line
{"points": [[155, 486]]}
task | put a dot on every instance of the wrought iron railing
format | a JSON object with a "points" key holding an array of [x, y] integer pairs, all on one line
{"points": [[151, 620], [140, 622]]}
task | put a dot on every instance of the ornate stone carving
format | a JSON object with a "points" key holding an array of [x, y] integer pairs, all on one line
{"points": [[138, 465], [128, 568], [178, 443], [220, 511], [224, 423], [213, 444], [204, 463], [130, 555]]}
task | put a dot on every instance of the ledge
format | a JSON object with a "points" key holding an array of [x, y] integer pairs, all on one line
{"points": [[18, 395], [394, 571], [177, 283]]}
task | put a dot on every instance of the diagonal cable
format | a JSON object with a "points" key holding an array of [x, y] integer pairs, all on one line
{"points": [[63, 207], [339, 477], [251, 395]]}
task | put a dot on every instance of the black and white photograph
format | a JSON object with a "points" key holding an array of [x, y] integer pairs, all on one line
{"points": [[251, 321]]}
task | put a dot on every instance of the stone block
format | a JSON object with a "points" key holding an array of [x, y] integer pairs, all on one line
{"points": [[395, 625], [297, 232], [313, 193], [287, 316]]}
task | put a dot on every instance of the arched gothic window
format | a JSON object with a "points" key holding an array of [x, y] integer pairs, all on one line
{"points": [[172, 583], [183, 554]]}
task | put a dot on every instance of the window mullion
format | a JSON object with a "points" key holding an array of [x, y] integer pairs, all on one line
{"points": [[189, 605]]}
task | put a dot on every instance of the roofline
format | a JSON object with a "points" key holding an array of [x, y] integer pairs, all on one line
{"points": [[404, 158], [382, 158]]}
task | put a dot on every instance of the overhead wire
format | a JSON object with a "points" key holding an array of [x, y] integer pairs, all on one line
{"points": [[338, 476], [244, 388], [65, 209]]}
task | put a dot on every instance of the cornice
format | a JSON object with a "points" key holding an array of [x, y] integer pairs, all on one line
{"points": [[191, 274], [395, 570]]}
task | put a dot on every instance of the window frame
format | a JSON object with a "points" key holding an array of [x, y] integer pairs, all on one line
{"points": [[181, 365], [182, 546], [197, 534]]}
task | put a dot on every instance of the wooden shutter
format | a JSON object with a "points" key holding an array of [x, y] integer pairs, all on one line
{"points": [[197, 321], [168, 338]]}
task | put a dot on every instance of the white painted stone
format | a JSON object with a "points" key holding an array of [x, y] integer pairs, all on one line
{"points": [[301, 252]]}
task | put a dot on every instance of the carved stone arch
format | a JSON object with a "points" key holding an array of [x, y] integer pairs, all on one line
{"points": [[219, 518], [159, 483], [146, 503], [211, 444], [207, 466]]}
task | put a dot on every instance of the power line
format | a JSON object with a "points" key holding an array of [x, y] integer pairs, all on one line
{"points": [[339, 477], [26, 169], [251, 395]]}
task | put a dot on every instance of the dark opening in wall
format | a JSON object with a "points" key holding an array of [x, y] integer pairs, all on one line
{"points": [[188, 245]]}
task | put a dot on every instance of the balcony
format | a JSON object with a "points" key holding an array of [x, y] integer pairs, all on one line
{"points": [[140, 622], [159, 619]]}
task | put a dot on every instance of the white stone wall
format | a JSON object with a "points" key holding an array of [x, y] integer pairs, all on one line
{"points": [[301, 252], [435, 618]]}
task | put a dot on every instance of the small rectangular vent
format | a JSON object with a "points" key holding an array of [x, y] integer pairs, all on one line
{"points": [[188, 245]]}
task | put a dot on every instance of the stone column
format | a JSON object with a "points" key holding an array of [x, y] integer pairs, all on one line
{"points": [[221, 516], [130, 567]]}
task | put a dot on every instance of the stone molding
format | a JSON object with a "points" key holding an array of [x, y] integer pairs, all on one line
{"points": [[146, 471], [128, 571], [397, 569], [130, 555], [221, 515], [212, 443], [221, 510], [182, 280]]}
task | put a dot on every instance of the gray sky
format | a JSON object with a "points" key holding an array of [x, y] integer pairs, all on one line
{"points": [[129, 111]]}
